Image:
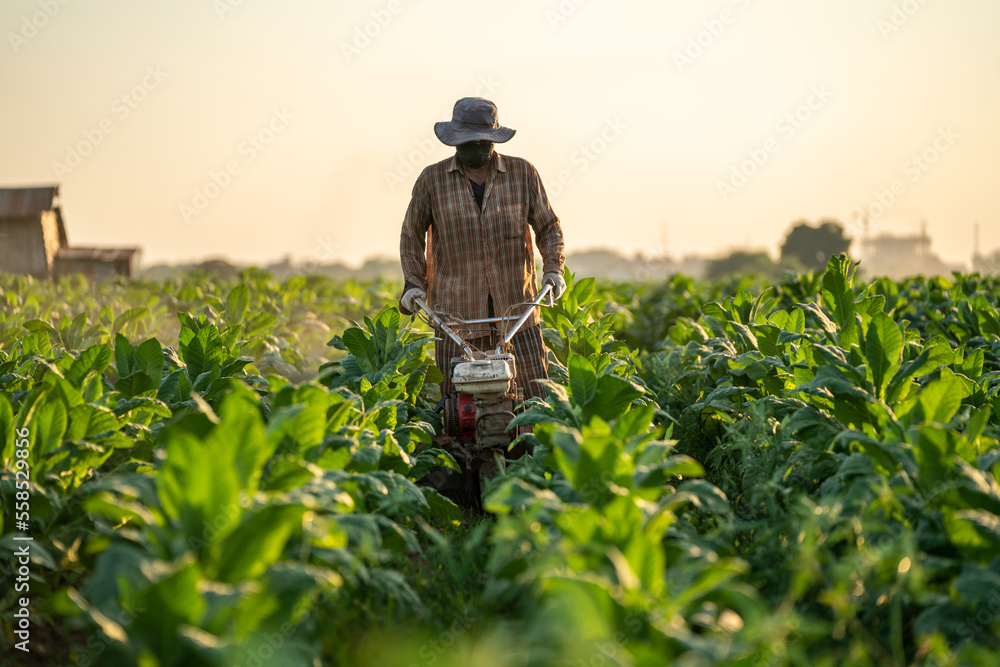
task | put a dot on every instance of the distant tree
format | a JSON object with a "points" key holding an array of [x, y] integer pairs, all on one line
{"points": [[741, 262], [814, 246]]}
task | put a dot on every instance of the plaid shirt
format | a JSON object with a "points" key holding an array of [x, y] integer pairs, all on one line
{"points": [[460, 255]]}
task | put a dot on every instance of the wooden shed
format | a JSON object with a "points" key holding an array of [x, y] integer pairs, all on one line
{"points": [[31, 230], [33, 240]]}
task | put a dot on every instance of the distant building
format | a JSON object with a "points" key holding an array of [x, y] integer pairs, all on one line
{"points": [[33, 240], [902, 256], [988, 264]]}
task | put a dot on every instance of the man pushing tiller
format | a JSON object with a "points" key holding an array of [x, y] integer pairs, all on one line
{"points": [[466, 244]]}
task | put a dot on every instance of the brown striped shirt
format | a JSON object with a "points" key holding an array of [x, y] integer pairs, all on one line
{"points": [[460, 255]]}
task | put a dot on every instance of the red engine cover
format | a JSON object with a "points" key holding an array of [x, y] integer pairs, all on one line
{"points": [[466, 418]]}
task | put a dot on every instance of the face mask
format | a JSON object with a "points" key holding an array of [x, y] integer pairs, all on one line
{"points": [[475, 154]]}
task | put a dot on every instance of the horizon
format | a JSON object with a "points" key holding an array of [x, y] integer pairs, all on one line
{"points": [[260, 130]]}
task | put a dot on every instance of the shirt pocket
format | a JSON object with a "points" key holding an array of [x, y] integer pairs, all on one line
{"points": [[512, 221]]}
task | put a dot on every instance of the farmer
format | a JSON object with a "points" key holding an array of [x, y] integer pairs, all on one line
{"points": [[466, 241]]}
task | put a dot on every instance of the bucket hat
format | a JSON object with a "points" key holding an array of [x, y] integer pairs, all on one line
{"points": [[473, 119]]}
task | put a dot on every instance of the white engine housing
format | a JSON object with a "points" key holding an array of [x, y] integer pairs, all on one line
{"points": [[485, 376]]}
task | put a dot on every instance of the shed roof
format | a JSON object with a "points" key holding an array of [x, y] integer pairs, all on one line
{"points": [[97, 254], [27, 202]]}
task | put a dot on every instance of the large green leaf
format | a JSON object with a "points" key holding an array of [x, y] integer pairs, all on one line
{"points": [[258, 542], [199, 485], [135, 385], [582, 380], [161, 609], [237, 303], [95, 359], [386, 330], [937, 401], [124, 356], [242, 436], [837, 293], [202, 352], [47, 427], [883, 350], [88, 420], [364, 350], [935, 354], [613, 396], [149, 360], [7, 428]]}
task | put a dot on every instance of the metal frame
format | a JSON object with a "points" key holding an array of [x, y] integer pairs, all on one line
{"points": [[544, 292]]}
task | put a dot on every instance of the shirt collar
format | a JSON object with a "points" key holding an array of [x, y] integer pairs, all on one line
{"points": [[496, 163]]}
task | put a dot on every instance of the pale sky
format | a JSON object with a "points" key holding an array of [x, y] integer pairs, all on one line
{"points": [[704, 126]]}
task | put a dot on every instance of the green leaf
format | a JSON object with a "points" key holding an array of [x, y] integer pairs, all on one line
{"points": [[7, 426], [986, 526], [47, 427], [203, 352], [703, 495], [428, 458], [441, 507], [386, 330], [95, 359], [149, 360], [151, 405], [514, 495], [935, 354], [676, 466], [613, 396], [937, 401], [582, 380], [124, 356], [134, 385], [972, 365], [88, 420], [364, 350], [174, 601], [285, 474], [837, 293], [883, 350], [199, 485], [242, 435], [258, 542], [237, 303]]}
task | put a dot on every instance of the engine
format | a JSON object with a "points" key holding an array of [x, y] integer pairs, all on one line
{"points": [[483, 404]]}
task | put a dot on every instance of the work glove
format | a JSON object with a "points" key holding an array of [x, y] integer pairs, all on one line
{"points": [[409, 300], [556, 280]]}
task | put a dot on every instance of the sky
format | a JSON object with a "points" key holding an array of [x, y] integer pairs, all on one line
{"points": [[259, 129]]}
